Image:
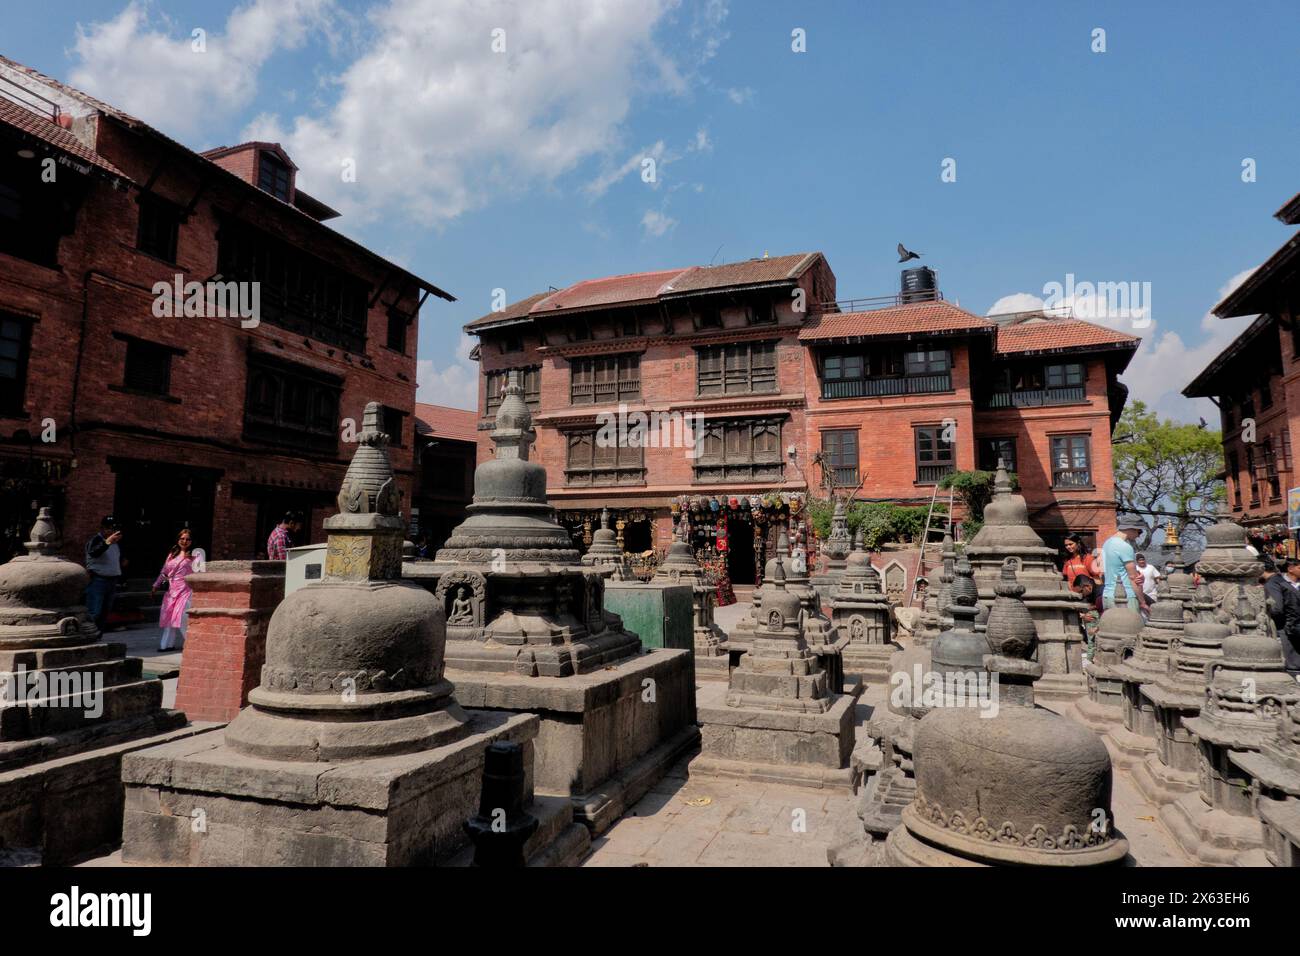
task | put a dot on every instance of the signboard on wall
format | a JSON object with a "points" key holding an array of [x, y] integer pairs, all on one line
{"points": [[1293, 508]]}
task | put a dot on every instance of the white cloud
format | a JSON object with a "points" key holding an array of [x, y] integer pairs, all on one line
{"points": [[145, 63], [1164, 362], [740, 95], [656, 223], [600, 185], [438, 123], [1016, 302], [454, 384]]}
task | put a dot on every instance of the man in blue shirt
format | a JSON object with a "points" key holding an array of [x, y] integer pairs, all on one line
{"points": [[1118, 557]]}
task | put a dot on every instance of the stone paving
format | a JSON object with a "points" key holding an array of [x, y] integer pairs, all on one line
{"points": [[712, 822]]}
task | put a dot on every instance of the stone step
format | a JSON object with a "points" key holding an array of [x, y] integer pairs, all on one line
{"points": [[30, 720]]}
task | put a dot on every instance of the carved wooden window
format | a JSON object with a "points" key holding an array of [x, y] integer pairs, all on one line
{"points": [[291, 405], [593, 461], [530, 380], [739, 369], [746, 450], [603, 379]]}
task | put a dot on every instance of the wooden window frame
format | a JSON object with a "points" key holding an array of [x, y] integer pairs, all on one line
{"points": [[729, 369], [937, 464], [728, 451], [605, 379], [1070, 438]]}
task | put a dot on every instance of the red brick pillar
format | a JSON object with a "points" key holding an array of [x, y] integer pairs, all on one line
{"points": [[225, 644]]}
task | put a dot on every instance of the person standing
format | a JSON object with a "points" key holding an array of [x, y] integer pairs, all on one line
{"points": [[104, 562], [1118, 557], [1150, 577], [1282, 602], [175, 607], [1078, 561], [281, 537]]}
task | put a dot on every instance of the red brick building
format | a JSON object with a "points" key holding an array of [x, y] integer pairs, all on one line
{"points": [[1255, 382], [204, 421], [446, 453], [894, 396]]}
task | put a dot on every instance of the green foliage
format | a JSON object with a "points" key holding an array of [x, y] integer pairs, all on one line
{"points": [[881, 522], [975, 489], [1163, 465]]}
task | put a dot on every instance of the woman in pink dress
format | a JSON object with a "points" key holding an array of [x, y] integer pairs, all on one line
{"points": [[178, 566]]}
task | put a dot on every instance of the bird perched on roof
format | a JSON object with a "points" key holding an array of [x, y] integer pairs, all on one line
{"points": [[904, 254]]}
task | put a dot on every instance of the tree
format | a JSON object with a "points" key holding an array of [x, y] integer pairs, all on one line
{"points": [[1166, 470]]}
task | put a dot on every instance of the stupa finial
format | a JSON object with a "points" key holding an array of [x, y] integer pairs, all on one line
{"points": [[513, 432], [368, 487], [1001, 479], [45, 537]]}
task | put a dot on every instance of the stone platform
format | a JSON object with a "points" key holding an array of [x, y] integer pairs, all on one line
{"points": [[70, 806], [772, 746], [606, 737], [196, 802]]}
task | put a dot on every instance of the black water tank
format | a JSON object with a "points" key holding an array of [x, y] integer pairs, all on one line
{"points": [[918, 284]]}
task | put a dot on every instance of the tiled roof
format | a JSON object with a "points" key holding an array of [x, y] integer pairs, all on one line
{"points": [[643, 286], [607, 291], [1051, 334], [750, 272], [915, 317], [54, 135], [442, 421]]}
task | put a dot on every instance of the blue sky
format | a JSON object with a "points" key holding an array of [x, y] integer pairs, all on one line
{"points": [[521, 169]]}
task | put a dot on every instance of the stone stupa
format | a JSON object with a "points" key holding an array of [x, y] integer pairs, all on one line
{"points": [[1172, 771], [1227, 563], [1117, 634], [605, 553], [1025, 787], [933, 618], [817, 629], [1135, 740], [1275, 773], [836, 549], [354, 750], [778, 718], [1247, 693], [528, 632], [71, 705], [1055, 608], [680, 567], [863, 618]]}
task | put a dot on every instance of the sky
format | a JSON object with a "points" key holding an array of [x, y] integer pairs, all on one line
{"points": [[504, 144]]}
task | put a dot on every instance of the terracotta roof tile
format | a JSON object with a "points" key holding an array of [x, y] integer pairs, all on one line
{"points": [[643, 286], [54, 135], [442, 421], [1049, 334], [607, 291], [753, 271], [915, 317]]}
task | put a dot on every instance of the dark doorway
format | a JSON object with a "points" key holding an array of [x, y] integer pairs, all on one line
{"points": [[152, 503], [740, 552], [271, 509], [636, 537]]}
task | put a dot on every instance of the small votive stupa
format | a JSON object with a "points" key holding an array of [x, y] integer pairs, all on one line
{"points": [[528, 632], [836, 549], [1172, 771], [1055, 608], [863, 619], [353, 750], [778, 718], [1248, 691], [605, 554], [933, 618], [1117, 633], [1275, 773], [1023, 787], [1135, 740], [1227, 564], [680, 567], [71, 705]]}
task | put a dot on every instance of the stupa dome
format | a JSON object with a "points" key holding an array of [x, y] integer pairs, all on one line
{"points": [[1025, 780], [36, 587]]}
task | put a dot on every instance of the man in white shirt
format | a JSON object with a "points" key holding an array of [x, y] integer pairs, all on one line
{"points": [[1150, 577]]}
